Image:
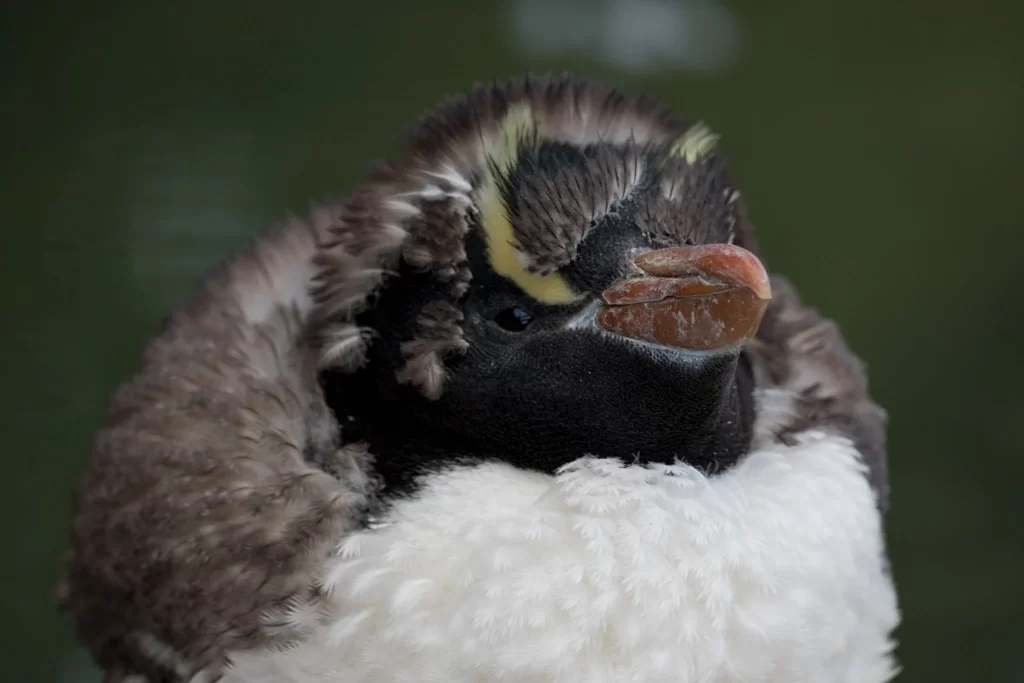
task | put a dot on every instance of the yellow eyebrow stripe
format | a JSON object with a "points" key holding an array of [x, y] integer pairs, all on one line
{"points": [[502, 246]]}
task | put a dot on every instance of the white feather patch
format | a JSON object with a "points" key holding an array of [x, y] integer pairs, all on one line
{"points": [[771, 571]]}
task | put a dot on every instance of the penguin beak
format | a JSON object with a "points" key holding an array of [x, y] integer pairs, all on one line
{"points": [[705, 297]]}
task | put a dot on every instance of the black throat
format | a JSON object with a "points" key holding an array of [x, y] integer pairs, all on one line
{"points": [[410, 436]]}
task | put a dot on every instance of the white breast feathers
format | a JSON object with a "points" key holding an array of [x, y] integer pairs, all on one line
{"points": [[772, 571]]}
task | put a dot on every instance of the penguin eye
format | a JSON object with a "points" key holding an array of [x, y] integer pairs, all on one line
{"points": [[513, 319]]}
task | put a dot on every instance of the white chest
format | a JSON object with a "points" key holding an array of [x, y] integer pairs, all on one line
{"points": [[773, 571]]}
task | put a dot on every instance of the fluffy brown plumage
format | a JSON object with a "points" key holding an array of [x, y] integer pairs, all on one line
{"points": [[198, 510], [218, 482]]}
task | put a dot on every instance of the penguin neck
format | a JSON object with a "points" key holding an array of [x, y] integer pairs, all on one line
{"points": [[407, 445]]}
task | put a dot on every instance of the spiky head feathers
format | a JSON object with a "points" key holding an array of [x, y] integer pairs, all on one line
{"points": [[532, 167]]}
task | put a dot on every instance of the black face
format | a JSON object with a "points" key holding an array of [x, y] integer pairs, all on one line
{"points": [[539, 386]]}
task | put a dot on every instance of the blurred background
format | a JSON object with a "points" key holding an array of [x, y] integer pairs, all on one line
{"points": [[878, 144]]}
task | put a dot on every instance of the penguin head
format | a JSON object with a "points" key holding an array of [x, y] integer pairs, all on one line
{"points": [[570, 272]]}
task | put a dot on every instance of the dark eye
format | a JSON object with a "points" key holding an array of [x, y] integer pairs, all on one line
{"points": [[513, 319]]}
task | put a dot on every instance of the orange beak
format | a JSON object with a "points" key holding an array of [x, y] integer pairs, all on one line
{"points": [[705, 297]]}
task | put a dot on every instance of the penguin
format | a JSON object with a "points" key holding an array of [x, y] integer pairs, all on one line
{"points": [[526, 406]]}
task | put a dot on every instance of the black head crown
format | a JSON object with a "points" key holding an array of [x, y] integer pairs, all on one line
{"points": [[569, 279]]}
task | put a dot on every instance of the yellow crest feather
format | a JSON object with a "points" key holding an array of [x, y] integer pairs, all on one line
{"points": [[503, 248], [696, 142]]}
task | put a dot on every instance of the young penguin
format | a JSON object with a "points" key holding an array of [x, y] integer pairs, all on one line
{"points": [[526, 408]]}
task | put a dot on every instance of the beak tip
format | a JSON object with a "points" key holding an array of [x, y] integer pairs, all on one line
{"points": [[762, 289]]}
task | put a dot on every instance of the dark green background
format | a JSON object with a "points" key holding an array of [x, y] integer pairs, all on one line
{"points": [[878, 143]]}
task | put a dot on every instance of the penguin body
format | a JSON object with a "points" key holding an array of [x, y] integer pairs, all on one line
{"points": [[525, 407]]}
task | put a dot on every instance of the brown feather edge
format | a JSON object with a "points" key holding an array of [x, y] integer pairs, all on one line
{"points": [[197, 518], [809, 379]]}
